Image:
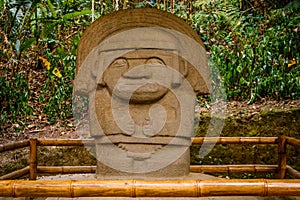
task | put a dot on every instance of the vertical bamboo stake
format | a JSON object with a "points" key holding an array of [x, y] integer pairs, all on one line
{"points": [[281, 157], [117, 5], [165, 5], [190, 3], [33, 159], [172, 2], [125, 4], [93, 10]]}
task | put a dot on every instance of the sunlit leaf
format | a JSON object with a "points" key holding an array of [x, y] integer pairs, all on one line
{"points": [[56, 72], [292, 63], [46, 63]]}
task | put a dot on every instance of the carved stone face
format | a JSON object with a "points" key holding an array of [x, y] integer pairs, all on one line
{"points": [[137, 76], [141, 102]]}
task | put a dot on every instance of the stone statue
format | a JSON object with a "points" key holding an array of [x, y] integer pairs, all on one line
{"points": [[141, 80]]}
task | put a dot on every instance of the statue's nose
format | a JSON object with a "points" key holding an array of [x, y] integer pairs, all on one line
{"points": [[138, 74]]}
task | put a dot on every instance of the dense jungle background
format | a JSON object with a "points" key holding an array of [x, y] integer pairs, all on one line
{"points": [[253, 43]]}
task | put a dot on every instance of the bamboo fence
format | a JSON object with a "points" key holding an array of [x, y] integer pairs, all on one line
{"points": [[149, 188], [133, 188]]}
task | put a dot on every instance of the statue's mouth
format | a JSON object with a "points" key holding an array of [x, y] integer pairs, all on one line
{"points": [[146, 88], [140, 93]]}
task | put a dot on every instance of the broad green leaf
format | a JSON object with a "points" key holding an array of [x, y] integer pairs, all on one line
{"points": [[51, 7], [26, 44], [17, 46], [76, 14]]}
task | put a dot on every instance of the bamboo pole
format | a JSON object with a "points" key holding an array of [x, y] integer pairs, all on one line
{"points": [[124, 4], [33, 159], [281, 157], [14, 145], [172, 5], [292, 172], [193, 168], [149, 188], [15, 174], [235, 140], [93, 11], [195, 140], [65, 142], [233, 168], [293, 141], [66, 169]]}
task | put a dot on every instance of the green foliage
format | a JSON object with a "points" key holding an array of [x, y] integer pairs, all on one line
{"points": [[44, 29], [14, 96], [58, 89], [255, 48], [253, 53]]}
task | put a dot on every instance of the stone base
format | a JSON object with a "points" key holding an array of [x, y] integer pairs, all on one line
{"points": [[178, 168]]}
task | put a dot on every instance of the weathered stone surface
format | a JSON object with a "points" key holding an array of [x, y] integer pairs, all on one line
{"points": [[141, 77]]}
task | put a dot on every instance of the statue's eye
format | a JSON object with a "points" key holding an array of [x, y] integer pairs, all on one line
{"points": [[155, 61], [120, 62]]}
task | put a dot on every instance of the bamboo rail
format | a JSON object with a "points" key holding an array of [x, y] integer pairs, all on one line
{"points": [[233, 168], [149, 188], [195, 140], [235, 140], [66, 169], [293, 141], [193, 168], [13, 146], [65, 142], [292, 172], [16, 174]]}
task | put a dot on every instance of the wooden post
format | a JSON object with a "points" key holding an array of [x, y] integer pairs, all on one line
{"points": [[33, 159], [281, 157]]}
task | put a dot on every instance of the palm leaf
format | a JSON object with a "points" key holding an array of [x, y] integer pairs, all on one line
{"points": [[76, 14]]}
